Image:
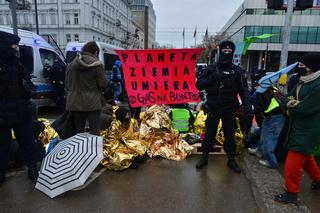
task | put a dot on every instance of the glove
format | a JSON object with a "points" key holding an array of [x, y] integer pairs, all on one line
{"points": [[292, 103]]}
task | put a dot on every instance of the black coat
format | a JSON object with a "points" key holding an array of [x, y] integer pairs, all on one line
{"points": [[261, 102], [15, 92], [223, 86]]}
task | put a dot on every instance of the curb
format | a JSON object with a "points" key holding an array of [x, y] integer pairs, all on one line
{"points": [[265, 184]]}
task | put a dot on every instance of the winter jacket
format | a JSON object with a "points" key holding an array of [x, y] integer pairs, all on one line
{"points": [[304, 134], [85, 81], [261, 103], [223, 86], [16, 89], [116, 76]]}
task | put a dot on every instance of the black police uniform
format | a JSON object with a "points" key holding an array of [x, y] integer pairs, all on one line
{"points": [[57, 78], [223, 82], [15, 108]]}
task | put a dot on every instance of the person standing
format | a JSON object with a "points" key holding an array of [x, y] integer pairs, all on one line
{"points": [[117, 80], [85, 82], [267, 105], [304, 135], [223, 82], [16, 111], [57, 78]]}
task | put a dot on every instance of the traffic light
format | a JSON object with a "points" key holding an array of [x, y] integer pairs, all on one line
{"points": [[304, 4], [275, 4]]}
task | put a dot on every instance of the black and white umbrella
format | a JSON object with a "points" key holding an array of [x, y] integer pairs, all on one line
{"points": [[69, 164]]}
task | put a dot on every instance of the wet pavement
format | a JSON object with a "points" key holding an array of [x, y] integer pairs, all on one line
{"points": [[157, 185], [307, 196]]}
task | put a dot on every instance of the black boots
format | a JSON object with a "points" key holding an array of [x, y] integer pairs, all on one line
{"points": [[203, 161], [315, 185], [33, 172], [2, 178], [232, 164], [287, 197]]}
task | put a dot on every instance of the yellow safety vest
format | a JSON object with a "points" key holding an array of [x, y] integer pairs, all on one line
{"points": [[273, 104], [180, 119]]}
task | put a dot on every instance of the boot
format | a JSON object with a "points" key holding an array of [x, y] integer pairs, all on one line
{"points": [[232, 164], [33, 173], [287, 197], [203, 161], [315, 185], [2, 178]]}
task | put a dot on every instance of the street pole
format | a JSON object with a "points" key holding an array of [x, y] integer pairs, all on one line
{"points": [[13, 7], [36, 14], [266, 57], [286, 34], [146, 27]]}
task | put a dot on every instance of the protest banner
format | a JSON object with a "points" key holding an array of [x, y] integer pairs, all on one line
{"points": [[160, 76]]}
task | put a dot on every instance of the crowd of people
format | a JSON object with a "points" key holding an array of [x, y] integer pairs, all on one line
{"points": [[90, 96]]}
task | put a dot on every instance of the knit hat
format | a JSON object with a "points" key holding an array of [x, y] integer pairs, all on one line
{"points": [[8, 39], [227, 45], [311, 60]]}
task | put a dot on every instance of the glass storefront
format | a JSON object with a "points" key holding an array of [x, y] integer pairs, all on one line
{"points": [[299, 35]]}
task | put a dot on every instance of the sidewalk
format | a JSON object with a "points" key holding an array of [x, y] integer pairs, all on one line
{"points": [[266, 183]]}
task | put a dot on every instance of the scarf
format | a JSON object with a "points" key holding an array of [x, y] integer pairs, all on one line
{"points": [[306, 79]]}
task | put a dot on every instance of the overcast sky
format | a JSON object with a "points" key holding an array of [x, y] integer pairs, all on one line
{"points": [[173, 15]]}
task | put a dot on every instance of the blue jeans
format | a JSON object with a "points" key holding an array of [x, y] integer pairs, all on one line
{"points": [[117, 91], [270, 131]]}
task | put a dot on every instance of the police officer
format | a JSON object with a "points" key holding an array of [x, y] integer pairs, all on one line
{"points": [[15, 107], [57, 78], [223, 82]]}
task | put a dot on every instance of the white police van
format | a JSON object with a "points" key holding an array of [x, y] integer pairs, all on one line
{"points": [[35, 54], [107, 53]]}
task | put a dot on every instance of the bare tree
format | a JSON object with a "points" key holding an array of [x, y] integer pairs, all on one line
{"points": [[210, 42]]}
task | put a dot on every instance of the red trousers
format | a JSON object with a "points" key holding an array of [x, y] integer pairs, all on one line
{"points": [[295, 164]]}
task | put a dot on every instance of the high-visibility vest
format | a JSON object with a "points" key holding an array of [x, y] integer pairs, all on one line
{"points": [[180, 119], [273, 104]]}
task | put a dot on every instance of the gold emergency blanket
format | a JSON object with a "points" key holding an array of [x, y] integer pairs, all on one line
{"points": [[48, 133], [200, 123], [122, 145], [199, 129], [164, 140], [239, 137]]}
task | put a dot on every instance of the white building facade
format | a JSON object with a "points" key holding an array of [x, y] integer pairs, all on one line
{"points": [[78, 20], [253, 18], [144, 14]]}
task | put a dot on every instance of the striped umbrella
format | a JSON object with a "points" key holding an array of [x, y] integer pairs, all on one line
{"points": [[69, 164]]}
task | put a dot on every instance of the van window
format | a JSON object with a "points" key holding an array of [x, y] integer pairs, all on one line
{"points": [[70, 56], [26, 57], [48, 57], [109, 60]]}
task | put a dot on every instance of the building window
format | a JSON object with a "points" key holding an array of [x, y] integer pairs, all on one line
{"points": [[9, 20], [68, 38], [299, 35], [53, 18], [76, 18], [76, 37], [312, 35], [92, 21], [294, 35], [67, 19], [43, 19]]}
